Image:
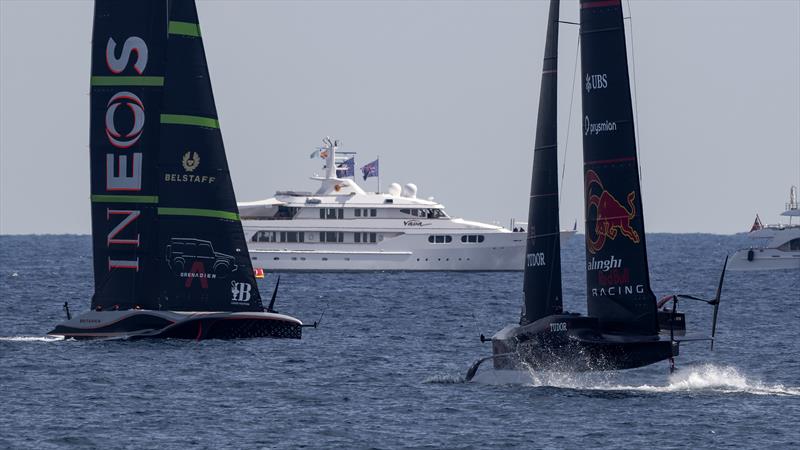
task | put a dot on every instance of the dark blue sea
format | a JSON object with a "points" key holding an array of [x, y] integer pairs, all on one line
{"points": [[386, 367]]}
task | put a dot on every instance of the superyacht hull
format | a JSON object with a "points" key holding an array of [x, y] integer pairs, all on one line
{"points": [[764, 259], [410, 252]]}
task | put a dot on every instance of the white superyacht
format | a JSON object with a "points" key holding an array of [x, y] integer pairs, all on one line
{"points": [[341, 227], [780, 243]]}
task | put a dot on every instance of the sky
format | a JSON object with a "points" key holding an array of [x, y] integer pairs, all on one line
{"points": [[445, 92]]}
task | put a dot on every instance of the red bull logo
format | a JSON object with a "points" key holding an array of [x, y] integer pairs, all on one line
{"points": [[611, 216]]}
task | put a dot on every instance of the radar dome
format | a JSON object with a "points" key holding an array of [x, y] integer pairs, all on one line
{"points": [[394, 189], [410, 190]]}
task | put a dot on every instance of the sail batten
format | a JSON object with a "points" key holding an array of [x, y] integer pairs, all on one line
{"points": [[185, 119], [184, 28], [195, 212], [126, 81]]}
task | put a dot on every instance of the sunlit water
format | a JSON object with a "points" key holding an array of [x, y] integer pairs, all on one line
{"points": [[386, 367]]}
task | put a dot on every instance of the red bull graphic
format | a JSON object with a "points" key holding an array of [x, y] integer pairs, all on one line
{"points": [[611, 216]]}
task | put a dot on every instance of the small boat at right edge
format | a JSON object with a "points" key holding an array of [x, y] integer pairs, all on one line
{"points": [[780, 243], [625, 327]]}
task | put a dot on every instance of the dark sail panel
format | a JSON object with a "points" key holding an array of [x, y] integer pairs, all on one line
{"points": [[617, 277], [128, 44], [205, 262], [542, 282]]}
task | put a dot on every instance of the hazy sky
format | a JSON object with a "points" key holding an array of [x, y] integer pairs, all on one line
{"points": [[446, 92]]}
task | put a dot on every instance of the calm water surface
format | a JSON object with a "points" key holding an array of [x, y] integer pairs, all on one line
{"points": [[385, 369]]}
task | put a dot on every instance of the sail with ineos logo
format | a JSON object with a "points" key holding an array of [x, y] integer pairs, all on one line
{"points": [[170, 256]]}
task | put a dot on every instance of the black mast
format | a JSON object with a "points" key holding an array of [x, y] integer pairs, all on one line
{"points": [[617, 277], [205, 265], [128, 44], [542, 281]]}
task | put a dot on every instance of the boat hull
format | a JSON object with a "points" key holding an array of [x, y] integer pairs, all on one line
{"points": [[573, 343], [500, 252], [149, 324], [764, 259]]}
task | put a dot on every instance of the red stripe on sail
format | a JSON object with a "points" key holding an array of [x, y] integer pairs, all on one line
{"points": [[610, 161], [601, 3]]}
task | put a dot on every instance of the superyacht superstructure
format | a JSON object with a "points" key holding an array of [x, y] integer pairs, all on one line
{"points": [[341, 227]]}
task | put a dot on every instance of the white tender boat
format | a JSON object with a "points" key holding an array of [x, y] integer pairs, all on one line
{"points": [[341, 227], [779, 244]]}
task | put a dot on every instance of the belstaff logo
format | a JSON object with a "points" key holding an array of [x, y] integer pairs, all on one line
{"points": [[136, 107], [610, 216], [190, 161], [241, 292]]}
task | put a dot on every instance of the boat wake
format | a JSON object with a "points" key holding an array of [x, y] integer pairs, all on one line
{"points": [[703, 378], [722, 379], [31, 338], [444, 379]]}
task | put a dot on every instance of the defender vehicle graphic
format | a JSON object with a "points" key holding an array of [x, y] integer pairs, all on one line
{"points": [[182, 252]]}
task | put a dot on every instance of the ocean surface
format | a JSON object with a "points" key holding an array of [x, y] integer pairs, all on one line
{"points": [[385, 368]]}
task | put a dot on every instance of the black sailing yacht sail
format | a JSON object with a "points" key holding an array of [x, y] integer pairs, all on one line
{"points": [[622, 328], [170, 257]]}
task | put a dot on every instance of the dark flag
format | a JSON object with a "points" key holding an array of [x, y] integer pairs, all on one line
{"points": [[347, 168], [370, 170]]}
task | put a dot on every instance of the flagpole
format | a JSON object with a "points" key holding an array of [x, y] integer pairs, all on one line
{"points": [[379, 173]]}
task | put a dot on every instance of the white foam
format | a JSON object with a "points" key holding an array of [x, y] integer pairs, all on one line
{"points": [[723, 379], [31, 338], [707, 377], [443, 379]]}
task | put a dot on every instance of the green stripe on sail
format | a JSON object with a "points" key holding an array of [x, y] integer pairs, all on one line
{"points": [[127, 81], [184, 28], [124, 199], [198, 213], [179, 119]]}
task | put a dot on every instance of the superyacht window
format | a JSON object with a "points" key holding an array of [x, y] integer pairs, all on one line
{"points": [[331, 213], [331, 236], [440, 239], [792, 245], [263, 236]]}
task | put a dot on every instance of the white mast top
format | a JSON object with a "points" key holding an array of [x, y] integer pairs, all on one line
{"points": [[331, 184]]}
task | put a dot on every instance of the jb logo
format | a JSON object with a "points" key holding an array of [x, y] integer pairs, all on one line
{"points": [[241, 292]]}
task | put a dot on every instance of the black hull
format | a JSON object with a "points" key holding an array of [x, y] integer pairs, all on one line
{"points": [[146, 324], [573, 343]]}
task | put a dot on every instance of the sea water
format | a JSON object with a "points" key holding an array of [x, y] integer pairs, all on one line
{"points": [[385, 368]]}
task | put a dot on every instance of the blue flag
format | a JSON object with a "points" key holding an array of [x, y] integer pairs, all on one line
{"points": [[347, 168], [370, 170]]}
